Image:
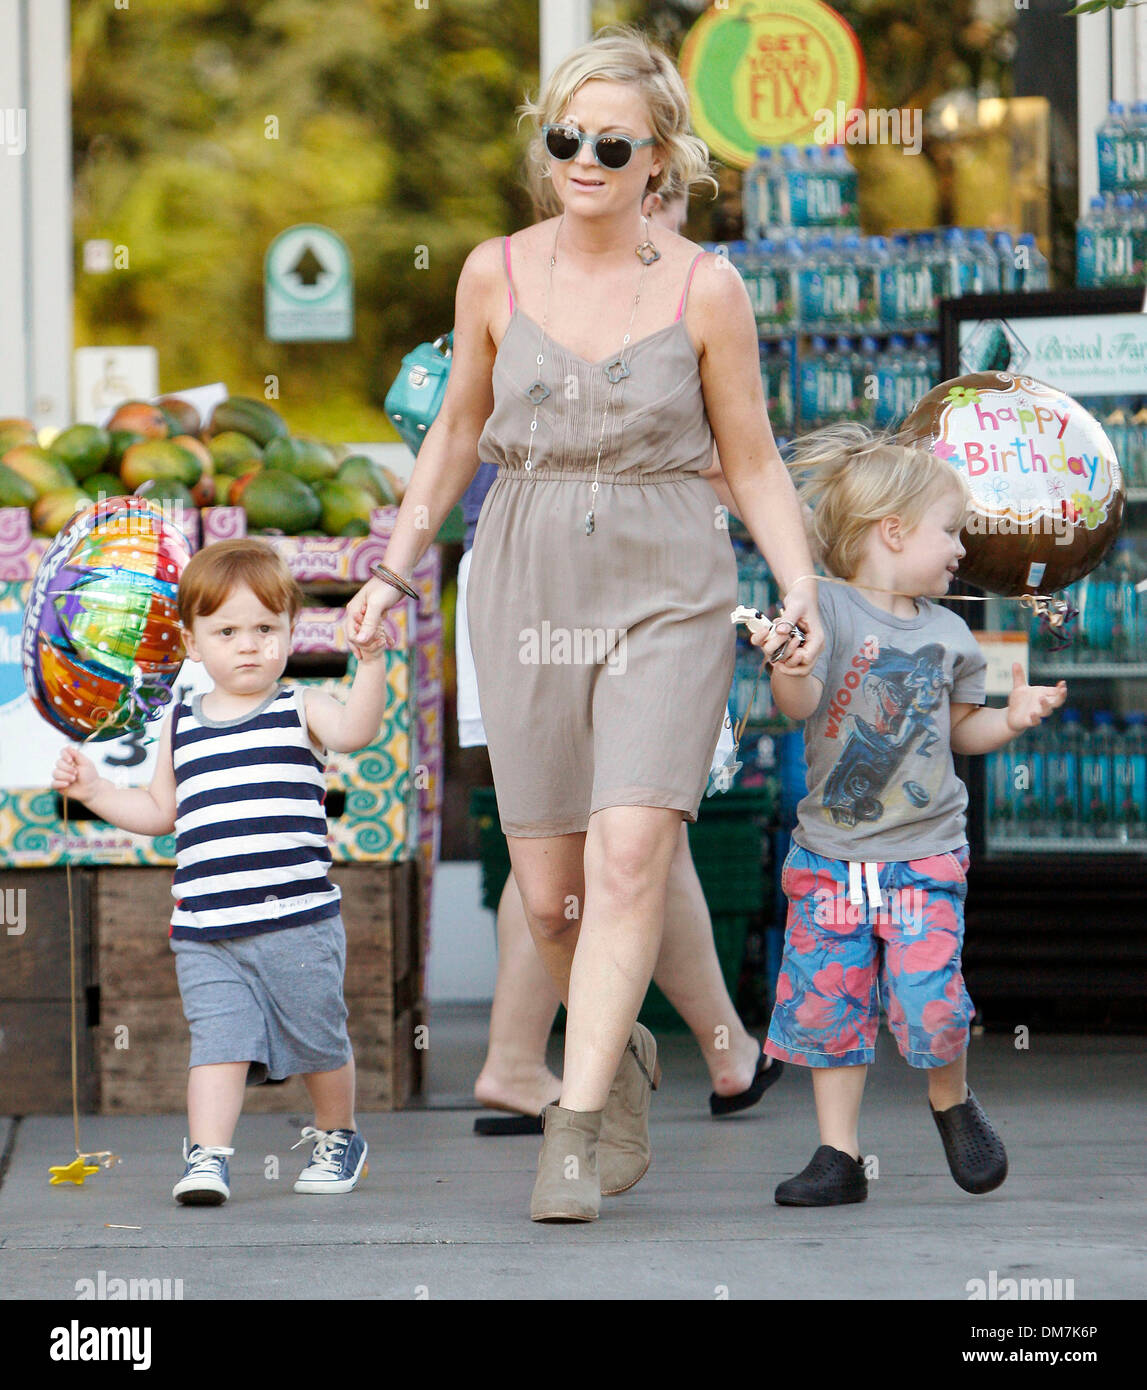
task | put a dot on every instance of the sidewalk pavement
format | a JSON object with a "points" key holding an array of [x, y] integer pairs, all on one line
{"points": [[444, 1214]]}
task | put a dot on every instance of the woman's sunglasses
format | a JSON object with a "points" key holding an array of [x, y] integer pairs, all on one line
{"points": [[611, 151]]}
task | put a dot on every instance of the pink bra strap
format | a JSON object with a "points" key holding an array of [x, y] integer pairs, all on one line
{"points": [[509, 277], [688, 282]]}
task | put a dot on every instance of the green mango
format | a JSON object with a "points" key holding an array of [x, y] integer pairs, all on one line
{"points": [[363, 472], [38, 467], [122, 440], [15, 491], [167, 490], [52, 512], [107, 483], [235, 453], [275, 500], [82, 449], [255, 419], [305, 458], [160, 458], [343, 503]]}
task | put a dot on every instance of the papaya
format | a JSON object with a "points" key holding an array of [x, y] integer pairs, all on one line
{"points": [[363, 472], [305, 458], [160, 458], [141, 416], [83, 449], [255, 419], [52, 512], [233, 452], [182, 417], [280, 501], [356, 528], [38, 467], [106, 483], [343, 503], [14, 429], [15, 491]]}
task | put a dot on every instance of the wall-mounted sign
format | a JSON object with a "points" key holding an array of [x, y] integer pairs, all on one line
{"points": [[308, 286], [759, 71], [108, 376], [1084, 355]]}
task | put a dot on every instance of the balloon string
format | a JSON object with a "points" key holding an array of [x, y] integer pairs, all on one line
{"points": [[1055, 612], [102, 721]]}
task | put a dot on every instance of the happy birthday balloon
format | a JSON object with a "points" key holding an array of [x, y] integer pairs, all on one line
{"points": [[101, 641], [1047, 489]]}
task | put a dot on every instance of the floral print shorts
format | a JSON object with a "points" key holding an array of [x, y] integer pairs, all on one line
{"points": [[845, 956]]}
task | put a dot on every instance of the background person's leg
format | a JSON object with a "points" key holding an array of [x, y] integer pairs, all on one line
{"points": [[514, 1075], [688, 973]]}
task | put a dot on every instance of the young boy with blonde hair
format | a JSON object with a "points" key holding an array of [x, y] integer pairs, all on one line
{"points": [[878, 870]]}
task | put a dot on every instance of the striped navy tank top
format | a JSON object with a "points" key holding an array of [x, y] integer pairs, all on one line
{"points": [[251, 849]]}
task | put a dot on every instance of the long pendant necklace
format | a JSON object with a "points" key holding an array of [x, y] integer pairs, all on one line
{"points": [[616, 369]]}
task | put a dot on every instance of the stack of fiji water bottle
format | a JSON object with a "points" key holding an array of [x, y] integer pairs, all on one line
{"points": [[809, 271], [1111, 239], [1124, 421], [1112, 623], [1111, 628], [1068, 779], [845, 378]]}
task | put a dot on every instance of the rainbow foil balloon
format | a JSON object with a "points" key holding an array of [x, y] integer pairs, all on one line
{"points": [[101, 641]]}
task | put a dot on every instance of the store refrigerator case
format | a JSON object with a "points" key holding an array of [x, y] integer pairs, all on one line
{"points": [[1057, 910]]}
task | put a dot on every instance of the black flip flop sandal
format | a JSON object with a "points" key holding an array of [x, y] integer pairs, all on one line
{"points": [[976, 1155], [766, 1074]]}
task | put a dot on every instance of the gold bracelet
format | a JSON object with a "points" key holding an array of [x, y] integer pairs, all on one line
{"points": [[389, 577]]}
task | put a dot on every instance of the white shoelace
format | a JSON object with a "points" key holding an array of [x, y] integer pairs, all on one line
{"points": [[208, 1155], [327, 1147]]}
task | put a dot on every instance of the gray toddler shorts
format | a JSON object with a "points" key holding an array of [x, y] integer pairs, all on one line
{"points": [[274, 1000]]}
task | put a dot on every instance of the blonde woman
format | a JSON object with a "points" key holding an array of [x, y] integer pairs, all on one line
{"points": [[514, 1075], [595, 361]]}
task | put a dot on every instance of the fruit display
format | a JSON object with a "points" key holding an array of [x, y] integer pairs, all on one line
{"points": [[244, 456]]}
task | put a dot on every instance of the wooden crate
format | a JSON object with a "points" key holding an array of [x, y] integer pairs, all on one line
{"points": [[142, 1038], [35, 1047]]}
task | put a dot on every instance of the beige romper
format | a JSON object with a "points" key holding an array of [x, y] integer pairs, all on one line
{"points": [[604, 661]]}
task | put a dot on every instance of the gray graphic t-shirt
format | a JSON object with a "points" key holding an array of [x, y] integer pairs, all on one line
{"points": [[881, 781]]}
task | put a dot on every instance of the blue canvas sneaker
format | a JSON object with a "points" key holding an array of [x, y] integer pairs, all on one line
{"points": [[206, 1179], [337, 1160]]}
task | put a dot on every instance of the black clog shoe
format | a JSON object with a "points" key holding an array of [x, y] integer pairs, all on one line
{"points": [[830, 1179], [975, 1152]]}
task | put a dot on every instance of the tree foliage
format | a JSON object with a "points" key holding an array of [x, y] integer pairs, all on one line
{"points": [[202, 128]]}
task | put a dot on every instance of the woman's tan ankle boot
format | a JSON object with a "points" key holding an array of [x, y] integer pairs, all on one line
{"points": [[567, 1186], [623, 1151]]}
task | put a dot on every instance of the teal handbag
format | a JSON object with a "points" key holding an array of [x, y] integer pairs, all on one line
{"points": [[415, 395]]}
